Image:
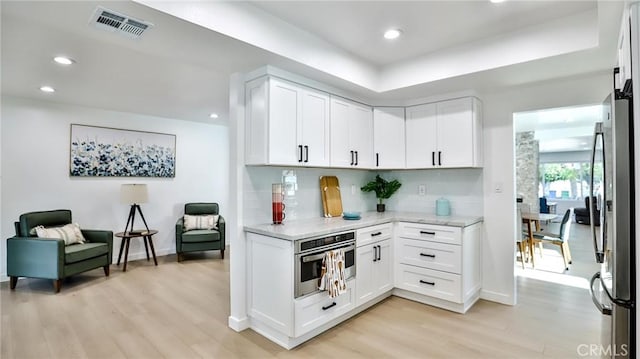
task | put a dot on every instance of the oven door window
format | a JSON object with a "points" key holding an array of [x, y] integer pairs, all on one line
{"points": [[313, 269], [310, 270]]}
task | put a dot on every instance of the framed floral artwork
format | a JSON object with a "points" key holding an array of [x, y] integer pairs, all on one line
{"points": [[111, 152]]}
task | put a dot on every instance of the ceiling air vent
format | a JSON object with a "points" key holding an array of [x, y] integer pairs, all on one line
{"points": [[109, 20]]}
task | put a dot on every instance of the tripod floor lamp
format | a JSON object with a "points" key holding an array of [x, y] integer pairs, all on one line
{"points": [[134, 194]]}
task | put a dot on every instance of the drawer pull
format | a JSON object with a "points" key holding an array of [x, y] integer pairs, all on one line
{"points": [[427, 255], [329, 306], [376, 234], [429, 233], [425, 282]]}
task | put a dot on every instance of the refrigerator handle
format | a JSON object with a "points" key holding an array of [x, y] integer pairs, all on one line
{"points": [[598, 252], [602, 308], [625, 303]]}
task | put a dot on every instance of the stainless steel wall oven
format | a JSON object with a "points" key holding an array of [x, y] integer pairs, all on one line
{"points": [[309, 254]]}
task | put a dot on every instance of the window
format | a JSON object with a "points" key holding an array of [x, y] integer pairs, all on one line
{"points": [[570, 180]]}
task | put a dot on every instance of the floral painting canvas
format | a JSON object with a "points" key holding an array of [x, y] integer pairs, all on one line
{"points": [[110, 152]]}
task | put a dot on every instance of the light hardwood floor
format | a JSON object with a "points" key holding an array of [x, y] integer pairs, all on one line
{"points": [[180, 310]]}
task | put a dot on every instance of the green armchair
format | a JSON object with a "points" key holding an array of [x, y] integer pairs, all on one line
{"points": [[200, 239], [33, 257]]}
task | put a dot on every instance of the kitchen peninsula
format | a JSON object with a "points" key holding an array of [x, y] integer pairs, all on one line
{"points": [[426, 258]]}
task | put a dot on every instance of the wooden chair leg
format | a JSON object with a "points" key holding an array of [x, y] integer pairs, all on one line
{"points": [[564, 257], [57, 284], [566, 244], [522, 256], [12, 282], [222, 253], [541, 248], [106, 270], [179, 256]]}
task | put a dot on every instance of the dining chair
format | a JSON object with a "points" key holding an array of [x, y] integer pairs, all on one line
{"points": [[561, 238], [521, 237]]}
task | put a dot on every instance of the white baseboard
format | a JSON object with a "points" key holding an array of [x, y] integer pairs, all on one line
{"points": [[497, 297], [238, 324]]}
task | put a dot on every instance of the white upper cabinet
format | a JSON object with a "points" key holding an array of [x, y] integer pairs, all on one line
{"points": [[351, 134], [446, 134], [286, 124], [421, 136], [388, 138], [313, 129]]}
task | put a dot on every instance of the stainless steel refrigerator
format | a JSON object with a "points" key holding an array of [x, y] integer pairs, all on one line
{"points": [[612, 183]]}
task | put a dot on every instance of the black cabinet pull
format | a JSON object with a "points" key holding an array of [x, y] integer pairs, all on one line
{"points": [[377, 160], [329, 306], [375, 253], [428, 255], [433, 158], [300, 154], [356, 158], [376, 234], [429, 233], [306, 150], [351, 158], [379, 252], [425, 282], [439, 158]]}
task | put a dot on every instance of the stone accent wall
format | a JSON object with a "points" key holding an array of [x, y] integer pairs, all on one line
{"points": [[527, 168]]}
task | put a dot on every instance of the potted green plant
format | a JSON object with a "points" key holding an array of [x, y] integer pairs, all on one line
{"points": [[383, 189]]}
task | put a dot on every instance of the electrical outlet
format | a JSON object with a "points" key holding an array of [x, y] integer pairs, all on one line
{"points": [[422, 190]]}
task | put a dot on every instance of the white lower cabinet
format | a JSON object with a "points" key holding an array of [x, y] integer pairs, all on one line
{"points": [[439, 265], [318, 309], [374, 262], [432, 264]]}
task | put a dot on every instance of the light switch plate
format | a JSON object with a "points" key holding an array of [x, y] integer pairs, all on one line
{"points": [[498, 187], [422, 190]]}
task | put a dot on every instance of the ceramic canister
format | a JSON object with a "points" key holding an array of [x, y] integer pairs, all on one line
{"points": [[442, 207]]}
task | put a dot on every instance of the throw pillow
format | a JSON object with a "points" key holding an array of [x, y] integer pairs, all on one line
{"points": [[70, 233], [209, 221]]}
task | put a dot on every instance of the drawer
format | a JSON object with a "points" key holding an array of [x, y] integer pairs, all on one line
{"points": [[373, 234], [442, 234], [318, 309], [431, 255], [429, 282]]}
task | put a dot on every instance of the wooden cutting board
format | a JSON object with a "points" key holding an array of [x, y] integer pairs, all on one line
{"points": [[330, 192]]}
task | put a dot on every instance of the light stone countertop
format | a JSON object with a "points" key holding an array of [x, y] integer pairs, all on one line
{"points": [[314, 227]]}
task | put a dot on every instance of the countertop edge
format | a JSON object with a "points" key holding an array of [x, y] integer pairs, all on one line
{"points": [[453, 221]]}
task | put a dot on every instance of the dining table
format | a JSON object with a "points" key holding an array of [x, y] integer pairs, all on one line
{"points": [[532, 220]]}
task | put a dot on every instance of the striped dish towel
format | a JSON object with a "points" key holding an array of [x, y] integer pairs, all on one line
{"points": [[332, 278]]}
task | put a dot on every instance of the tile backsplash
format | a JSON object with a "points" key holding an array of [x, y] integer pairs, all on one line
{"points": [[462, 187]]}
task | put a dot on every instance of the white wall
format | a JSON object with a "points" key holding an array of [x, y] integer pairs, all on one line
{"points": [[499, 208], [35, 164]]}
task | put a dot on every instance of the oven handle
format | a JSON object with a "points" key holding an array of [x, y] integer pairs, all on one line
{"points": [[315, 257]]}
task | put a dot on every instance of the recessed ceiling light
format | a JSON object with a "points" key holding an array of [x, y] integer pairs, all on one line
{"points": [[47, 89], [62, 60], [496, 1], [392, 34], [213, 115]]}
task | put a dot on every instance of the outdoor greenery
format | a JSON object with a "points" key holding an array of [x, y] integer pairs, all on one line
{"points": [[576, 177], [383, 188]]}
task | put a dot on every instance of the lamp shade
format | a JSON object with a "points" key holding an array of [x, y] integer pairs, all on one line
{"points": [[134, 193]]}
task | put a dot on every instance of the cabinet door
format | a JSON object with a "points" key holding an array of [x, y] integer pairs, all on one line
{"points": [[284, 110], [340, 147], [365, 286], [383, 268], [313, 128], [388, 138], [455, 133], [421, 137], [361, 135]]}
